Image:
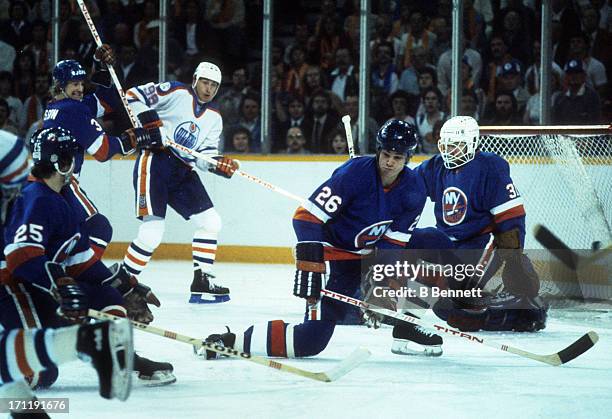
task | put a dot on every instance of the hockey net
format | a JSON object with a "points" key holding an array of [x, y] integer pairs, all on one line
{"points": [[565, 178]]}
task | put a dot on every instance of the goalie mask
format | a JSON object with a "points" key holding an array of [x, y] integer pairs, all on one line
{"points": [[458, 141], [207, 70]]}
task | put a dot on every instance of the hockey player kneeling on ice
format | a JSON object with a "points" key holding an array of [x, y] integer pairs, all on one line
{"points": [[53, 276], [480, 212], [367, 203], [166, 177]]}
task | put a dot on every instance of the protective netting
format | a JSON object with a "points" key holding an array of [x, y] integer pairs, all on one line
{"points": [[566, 184], [565, 181]]}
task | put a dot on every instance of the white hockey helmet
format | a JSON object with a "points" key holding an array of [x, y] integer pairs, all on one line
{"points": [[458, 141], [206, 70]]}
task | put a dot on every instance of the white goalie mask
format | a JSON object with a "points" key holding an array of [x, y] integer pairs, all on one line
{"points": [[207, 70], [458, 141]]}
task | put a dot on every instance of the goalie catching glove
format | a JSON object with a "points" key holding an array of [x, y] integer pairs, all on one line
{"points": [[136, 296], [71, 299], [310, 269]]}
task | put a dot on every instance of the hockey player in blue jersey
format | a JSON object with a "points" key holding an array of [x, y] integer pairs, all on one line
{"points": [[26, 352], [368, 203], [478, 206], [52, 275], [166, 177], [77, 112]]}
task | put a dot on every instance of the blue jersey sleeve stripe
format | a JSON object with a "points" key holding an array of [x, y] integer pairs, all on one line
{"points": [[143, 96]]}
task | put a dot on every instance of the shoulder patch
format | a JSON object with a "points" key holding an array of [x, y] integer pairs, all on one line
{"points": [[165, 86]]}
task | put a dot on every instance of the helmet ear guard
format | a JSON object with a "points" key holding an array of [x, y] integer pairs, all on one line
{"points": [[458, 142], [398, 136]]}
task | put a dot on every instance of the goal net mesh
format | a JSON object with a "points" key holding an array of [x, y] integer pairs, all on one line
{"points": [[566, 184]]}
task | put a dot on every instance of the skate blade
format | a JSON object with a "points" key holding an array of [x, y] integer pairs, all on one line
{"points": [[415, 349], [121, 342], [198, 298], [158, 379]]}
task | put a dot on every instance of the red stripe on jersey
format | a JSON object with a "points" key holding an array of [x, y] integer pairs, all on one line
{"points": [[88, 206], [20, 355], [302, 214], [106, 106], [76, 270], [333, 253], [20, 256], [102, 153], [19, 171], [23, 305], [518, 211], [277, 339], [393, 241]]}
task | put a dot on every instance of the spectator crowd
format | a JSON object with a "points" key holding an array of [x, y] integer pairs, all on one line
{"points": [[315, 74]]}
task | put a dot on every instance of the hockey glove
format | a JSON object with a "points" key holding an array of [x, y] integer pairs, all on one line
{"points": [[154, 126], [310, 268], [72, 301], [225, 166], [133, 138], [105, 54], [136, 296]]}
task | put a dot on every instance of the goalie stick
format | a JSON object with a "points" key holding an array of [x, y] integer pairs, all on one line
{"points": [[358, 356], [577, 348], [561, 251]]}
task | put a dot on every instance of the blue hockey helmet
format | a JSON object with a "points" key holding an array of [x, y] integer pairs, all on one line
{"points": [[55, 147], [68, 70], [397, 135]]}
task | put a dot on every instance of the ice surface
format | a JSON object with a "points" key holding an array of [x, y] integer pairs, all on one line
{"points": [[469, 380]]}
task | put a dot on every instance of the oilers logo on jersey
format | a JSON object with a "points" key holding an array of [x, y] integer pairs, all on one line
{"points": [[454, 206], [186, 134], [371, 234]]}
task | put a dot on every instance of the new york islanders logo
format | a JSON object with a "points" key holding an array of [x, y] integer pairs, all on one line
{"points": [[66, 248], [186, 134], [454, 206], [371, 234]]}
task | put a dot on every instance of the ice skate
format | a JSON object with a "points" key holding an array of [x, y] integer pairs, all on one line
{"points": [[152, 373], [108, 346], [226, 340], [410, 339], [204, 291]]}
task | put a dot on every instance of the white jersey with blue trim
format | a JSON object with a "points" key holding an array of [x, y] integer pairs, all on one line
{"points": [[187, 122]]}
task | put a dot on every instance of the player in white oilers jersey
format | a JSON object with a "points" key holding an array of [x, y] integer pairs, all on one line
{"points": [[166, 176], [478, 206]]}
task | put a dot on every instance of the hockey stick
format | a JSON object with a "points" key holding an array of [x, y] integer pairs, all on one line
{"points": [[346, 120], [247, 176], [136, 123], [559, 249], [92, 28], [574, 350], [358, 356]]}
